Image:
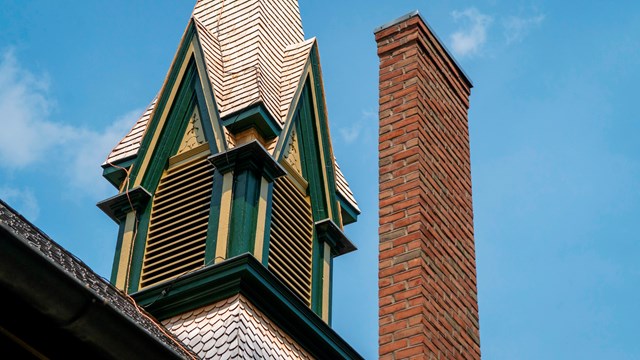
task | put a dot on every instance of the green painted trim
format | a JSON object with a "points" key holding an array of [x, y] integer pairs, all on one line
{"points": [[250, 163], [312, 170], [324, 132], [317, 273], [245, 275], [116, 175], [116, 256], [204, 118], [349, 213], [162, 101], [173, 131], [310, 157], [330, 320], [117, 207], [267, 227], [214, 219], [218, 127], [137, 253], [244, 212], [328, 232], [251, 155], [255, 116], [168, 144]]}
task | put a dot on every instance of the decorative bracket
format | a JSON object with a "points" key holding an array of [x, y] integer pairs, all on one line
{"points": [[118, 206], [330, 233], [248, 156]]}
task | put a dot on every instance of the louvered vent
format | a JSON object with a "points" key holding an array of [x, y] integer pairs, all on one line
{"points": [[178, 224], [291, 238]]}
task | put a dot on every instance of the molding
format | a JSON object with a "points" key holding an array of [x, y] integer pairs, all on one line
{"points": [[117, 207], [171, 86], [396, 21], [255, 116], [349, 213], [245, 275], [248, 156], [208, 98], [331, 234], [115, 173], [323, 135]]}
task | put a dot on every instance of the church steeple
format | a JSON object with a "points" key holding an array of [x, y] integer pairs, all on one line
{"points": [[228, 188]]}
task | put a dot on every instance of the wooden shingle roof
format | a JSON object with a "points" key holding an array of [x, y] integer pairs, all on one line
{"points": [[248, 42]]}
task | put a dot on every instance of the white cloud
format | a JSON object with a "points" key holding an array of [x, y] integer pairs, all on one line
{"points": [[351, 133], [516, 28], [29, 136], [26, 135], [361, 130], [90, 151], [23, 200], [370, 114], [469, 40]]}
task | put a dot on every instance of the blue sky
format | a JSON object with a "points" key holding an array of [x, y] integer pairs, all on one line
{"points": [[554, 144]]}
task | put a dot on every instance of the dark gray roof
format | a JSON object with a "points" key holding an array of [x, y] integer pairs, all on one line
{"points": [[35, 270]]}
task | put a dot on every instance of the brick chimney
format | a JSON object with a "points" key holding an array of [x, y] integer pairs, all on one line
{"points": [[427, 270]]}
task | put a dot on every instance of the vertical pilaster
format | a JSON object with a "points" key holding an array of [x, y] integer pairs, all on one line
{"points": [[248, 169]]}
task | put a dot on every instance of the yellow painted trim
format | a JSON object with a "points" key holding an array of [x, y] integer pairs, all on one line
{"points": [[262, 220], [295, 178], [126, 251], [326, 279], [319, 137], [225, 217], [340, 216], [187, 156], [209, 97], [163, 118]]}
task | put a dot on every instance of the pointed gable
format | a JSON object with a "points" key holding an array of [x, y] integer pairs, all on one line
{"points": [[254, 53], [194, 135], [129, 145], [296, 57]]}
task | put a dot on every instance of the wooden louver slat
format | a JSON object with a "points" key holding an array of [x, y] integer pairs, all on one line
{"points": [[178, 224], [291, 238]]}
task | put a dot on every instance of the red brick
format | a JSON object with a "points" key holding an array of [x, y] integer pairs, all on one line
{"points": [[394, 345], [408, 352], [427, 281], [393, 327], [416, 310]]}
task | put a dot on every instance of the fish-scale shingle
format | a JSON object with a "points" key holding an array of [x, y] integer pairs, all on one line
{"points": [[234, 327]]}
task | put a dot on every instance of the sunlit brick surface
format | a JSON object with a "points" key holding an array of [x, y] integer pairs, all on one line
{"points": [[427, 273]]}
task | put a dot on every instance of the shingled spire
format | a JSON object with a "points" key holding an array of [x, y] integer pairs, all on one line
{"points": [[231, 206], [248, 58]]}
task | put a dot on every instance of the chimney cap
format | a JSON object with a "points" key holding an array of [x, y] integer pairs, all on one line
{"points": [[446, 50]]}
